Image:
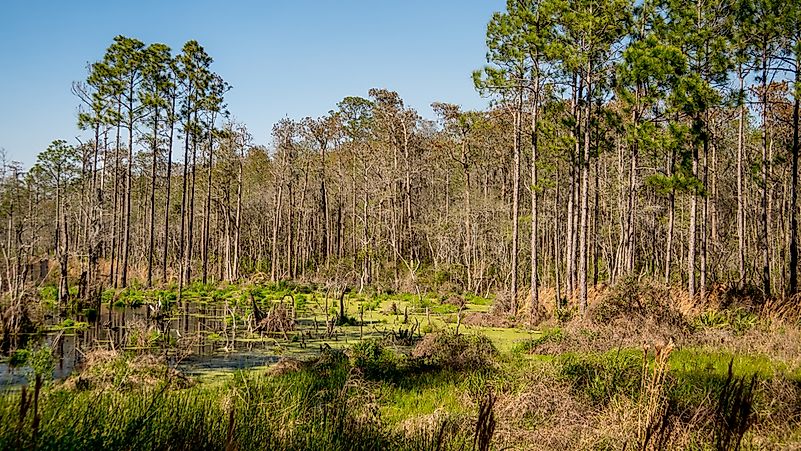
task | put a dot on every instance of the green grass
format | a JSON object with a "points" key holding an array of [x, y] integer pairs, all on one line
{"points": [[423, 395], [322, 407]]}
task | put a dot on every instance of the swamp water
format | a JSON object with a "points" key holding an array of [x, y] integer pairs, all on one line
{"points": [[198, 338]]}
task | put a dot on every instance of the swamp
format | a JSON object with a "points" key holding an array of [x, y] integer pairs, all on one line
{"points": [[576, 229]]}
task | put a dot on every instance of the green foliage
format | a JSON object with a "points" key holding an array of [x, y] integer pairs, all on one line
{"points": [[374, 359], [39, 358], [548, 335], [600, 377], [42, 363], [70, 324], [737, 319], [301, 300], [49, 294], [18, 358], [477, 300], [372, 304]]}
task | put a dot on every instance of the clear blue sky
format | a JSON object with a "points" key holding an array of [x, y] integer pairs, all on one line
{"points": [[283, 58]]}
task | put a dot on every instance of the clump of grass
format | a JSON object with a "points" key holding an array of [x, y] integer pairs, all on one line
{"points": [[372, 304], [321, 406], [655, 407]]}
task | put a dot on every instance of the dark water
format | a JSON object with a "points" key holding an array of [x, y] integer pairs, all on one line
{"points": [[203, 337]]}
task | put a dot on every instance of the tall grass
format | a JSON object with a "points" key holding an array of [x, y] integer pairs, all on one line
{"points": [[324, 407]]}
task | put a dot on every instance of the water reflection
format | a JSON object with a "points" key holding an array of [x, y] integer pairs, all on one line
{"points": [[197, 337]]}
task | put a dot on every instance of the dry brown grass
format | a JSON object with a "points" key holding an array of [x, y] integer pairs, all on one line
{"points": [[543, 414], [287, 365], [112, 370]]}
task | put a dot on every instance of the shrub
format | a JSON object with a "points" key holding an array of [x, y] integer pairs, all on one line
{"points": [[458, 352], [49, 293], [737, 319], [39, 359], [631, 299], [374, 359], [42, 362], [601, 377]]}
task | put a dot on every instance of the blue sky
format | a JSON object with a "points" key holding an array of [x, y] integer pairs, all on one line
{"points": [[289, 58]]}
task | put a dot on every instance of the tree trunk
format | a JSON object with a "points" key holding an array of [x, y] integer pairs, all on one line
{"points": [[516, 200], [152, 228], [692, 231], [793, 283], [534, 201], [585, 170], [126, 246], [740, 192], [764, 241], [167, 196]]}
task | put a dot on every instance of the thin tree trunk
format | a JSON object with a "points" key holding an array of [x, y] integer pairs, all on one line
{"points": [[167, 195], [585, 169], [692, 231], [793, 283], [126, 246], [152, 228], [516, 200], [238, 221], [764, 241], [534, 200], [740, 192], [207, 219]]}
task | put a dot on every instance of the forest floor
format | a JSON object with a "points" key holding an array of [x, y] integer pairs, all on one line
{"points": [[645, 368]]}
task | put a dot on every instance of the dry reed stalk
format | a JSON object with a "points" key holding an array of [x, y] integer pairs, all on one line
{"points": [[652, 418]]}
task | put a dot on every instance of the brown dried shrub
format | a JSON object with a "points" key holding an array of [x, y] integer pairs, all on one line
{"points": [[112, 370], [457, 352]]}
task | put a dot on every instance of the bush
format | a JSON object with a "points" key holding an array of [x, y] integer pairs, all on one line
{"points": [[49, 293], [374, 359], [631, 299], [42, 362], [737, 319], [458, 352], [601, 377], [39, 359]]}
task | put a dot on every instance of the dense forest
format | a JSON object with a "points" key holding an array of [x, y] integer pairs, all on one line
{"points": [[655, 138]]}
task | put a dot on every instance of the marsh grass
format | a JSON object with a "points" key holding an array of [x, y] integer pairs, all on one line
{"points": [[325, 406], [732, 379]]}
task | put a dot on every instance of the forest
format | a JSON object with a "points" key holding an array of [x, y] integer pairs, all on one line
{"points": [[604, 258]]}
